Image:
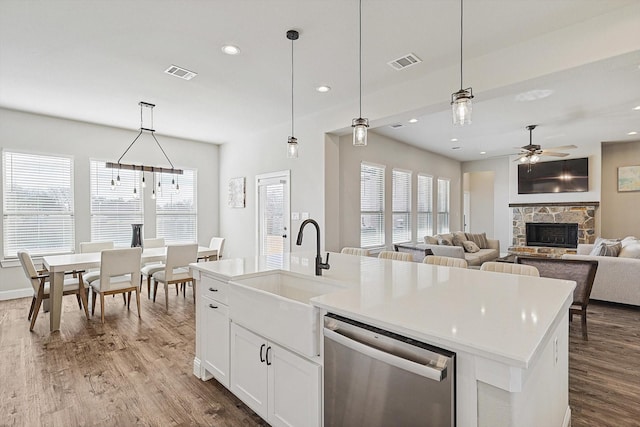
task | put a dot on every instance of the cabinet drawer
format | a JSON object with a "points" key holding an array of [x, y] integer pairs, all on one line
{"points": [[214, 289]]}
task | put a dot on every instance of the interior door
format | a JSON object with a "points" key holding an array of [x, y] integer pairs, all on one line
{"points": [[273, 215]]}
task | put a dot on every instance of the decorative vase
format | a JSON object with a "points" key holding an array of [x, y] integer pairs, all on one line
{"points": [[136, 237]]}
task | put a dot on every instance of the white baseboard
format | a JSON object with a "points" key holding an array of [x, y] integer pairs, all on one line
{"points": [[567, 418], [16, 293]]}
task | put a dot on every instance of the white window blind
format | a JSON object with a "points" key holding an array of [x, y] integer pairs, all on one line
{"points": [[38, 204], [113, 210], [401, 206], [371, 205], [443, 205], [176, 208], [425, 206]]}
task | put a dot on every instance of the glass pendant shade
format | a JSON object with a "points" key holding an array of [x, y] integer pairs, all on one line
{"points": [[292, 148], [461, 107], [360, 126]]}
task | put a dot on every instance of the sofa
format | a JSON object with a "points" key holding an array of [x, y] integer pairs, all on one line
{"points": [[488, 253], [617, 278]]}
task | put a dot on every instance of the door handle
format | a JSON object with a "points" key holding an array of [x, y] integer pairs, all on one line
{"points": [[267, 356], [262, 359]]}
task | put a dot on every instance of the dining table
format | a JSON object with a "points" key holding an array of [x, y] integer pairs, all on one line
{"points": [[58, 265]]}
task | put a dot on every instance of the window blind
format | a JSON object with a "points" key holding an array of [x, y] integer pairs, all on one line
{"points": [[176, 208], [425, 206], [371, 205], [38, 204], [443, 205], [401, 206], [114, 210]]}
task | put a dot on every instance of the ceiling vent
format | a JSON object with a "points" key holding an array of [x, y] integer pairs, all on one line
{"points": [[396, 126], [180, 72], [405, 62]]}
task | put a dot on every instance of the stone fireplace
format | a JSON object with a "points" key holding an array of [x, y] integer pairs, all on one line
{"points": [[563, 235], [580, 213]]}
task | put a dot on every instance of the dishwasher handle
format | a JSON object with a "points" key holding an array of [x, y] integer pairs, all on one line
{"points": [[391, 359]]}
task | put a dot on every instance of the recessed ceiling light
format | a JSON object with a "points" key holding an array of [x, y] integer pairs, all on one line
{"points": [[483, 152], [323, 89], [230, 49], [413, 120], [637, 108], [533, 95], [633, 132], [454, 139]]}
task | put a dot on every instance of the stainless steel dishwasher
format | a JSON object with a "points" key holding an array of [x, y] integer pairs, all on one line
{"points": [[374, 377]]}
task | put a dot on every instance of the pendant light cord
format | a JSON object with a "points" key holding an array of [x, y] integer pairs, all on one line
{"points": [[360, 53], [292, 133], [461, 34]]}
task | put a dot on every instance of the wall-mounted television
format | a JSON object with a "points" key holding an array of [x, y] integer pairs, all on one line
{"points": [[560, 176]]}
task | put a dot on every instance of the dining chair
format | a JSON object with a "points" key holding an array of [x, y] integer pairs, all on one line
{"points": [[509, 267], [42, 290], [176, 270], [216, 243], [355, 251], [398, 256], [445, 261], [119, 274], [91, 247], [149, 268], [583, 272]]}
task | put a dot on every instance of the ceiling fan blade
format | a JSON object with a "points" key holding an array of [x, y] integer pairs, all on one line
{"points": [[564, 147], [551, 153]]}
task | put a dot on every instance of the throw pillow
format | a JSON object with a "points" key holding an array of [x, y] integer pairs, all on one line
{"points": [[629, 240], [459, 238], [430, 240], [606, 247], [632, 250], [443, 241], [479, 239], [470, 247]]}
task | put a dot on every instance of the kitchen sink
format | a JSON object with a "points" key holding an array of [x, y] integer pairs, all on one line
{"points": [[276, 306]]}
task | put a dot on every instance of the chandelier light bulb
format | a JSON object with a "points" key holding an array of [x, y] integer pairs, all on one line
{"points": [[144, 184], [118, 179], [292, 148], [153, 195], [113, 184], [360, 126]]}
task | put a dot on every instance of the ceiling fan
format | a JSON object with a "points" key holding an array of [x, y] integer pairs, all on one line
{"points": [[531, 153]]}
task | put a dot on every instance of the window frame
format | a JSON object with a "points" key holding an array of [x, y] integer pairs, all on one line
{"points": [[444, 214], [193, 213], [429, 212], [381, 212], [406, 213]]}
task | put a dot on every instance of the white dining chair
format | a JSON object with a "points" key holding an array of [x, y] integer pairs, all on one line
{"points": [[41, 287], [176, 270], [149, 268], [92, 247], [398, 256], [355, 251], [119, 274], [216, 243], [446, 261], [511, 268]]}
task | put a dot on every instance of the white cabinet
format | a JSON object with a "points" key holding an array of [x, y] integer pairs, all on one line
{"points": [[215, 342], [280, 386]]}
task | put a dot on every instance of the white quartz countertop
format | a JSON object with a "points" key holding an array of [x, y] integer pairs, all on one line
{"points": [[499, 316]]}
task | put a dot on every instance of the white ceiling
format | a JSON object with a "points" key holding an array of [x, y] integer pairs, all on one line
{"points": [[94, 60]]}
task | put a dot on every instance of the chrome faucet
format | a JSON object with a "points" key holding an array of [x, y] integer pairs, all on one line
{"points": [[319, 264]]}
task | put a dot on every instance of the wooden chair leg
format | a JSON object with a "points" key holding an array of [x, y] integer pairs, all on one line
{"points": [[124, 298], [583, 318], [79, 300], [177, 289], [193, 289], [101, 307], [93, 302], [36, 309], [128, 300], [155, 289], [149, 289], [138, 302], [166, 295], [33, 304], [85, 302]]}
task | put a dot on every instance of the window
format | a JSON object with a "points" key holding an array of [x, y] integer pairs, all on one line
{"points": [[176, 209], [38, 204], [113, 210], [401, 206], [443, 205], [371, 205], [425, 206]]}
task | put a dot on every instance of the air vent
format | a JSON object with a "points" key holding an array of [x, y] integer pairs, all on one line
{"points": [[405, 62], [180, 72], [396, 126]]}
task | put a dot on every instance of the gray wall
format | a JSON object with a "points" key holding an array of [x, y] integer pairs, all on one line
{"points": [[619, 211], [47, 135]]}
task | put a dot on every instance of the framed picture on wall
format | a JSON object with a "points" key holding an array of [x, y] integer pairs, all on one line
{"points": [[236, 193], [628, 178]]}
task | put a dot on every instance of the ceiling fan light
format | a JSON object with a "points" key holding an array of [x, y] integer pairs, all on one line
{"points": [[360, 126], [534, 158], [523, 159], [461, 106]]}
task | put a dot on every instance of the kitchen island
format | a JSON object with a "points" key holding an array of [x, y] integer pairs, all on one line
{"points": [[509, 333]]}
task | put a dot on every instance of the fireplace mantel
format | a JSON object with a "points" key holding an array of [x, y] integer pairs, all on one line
{"points": [[531, 205]]}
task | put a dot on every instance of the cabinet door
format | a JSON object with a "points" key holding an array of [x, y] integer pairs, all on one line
{"points": [[248, 371], [294, 389], [215, 340]]}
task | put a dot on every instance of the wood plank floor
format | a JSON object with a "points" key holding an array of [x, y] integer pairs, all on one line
{"points": [[139, 372]]}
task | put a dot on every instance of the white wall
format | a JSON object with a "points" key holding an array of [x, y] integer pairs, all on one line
{"points": [[392, 154], [84, 141], [481, 192]]}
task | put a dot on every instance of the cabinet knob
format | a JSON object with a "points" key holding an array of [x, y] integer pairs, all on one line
{"points": [[213, 290], [213, 306]]}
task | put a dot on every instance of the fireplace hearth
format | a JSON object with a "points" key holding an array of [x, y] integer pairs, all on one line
{"points": [[558, 235]]}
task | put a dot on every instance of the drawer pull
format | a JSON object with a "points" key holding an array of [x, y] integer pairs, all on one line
{"points": [[213, 290], [213, 306]]}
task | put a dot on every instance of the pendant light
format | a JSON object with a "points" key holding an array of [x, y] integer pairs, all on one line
{"points": [[461, 100], [360, 125], [292, 142]]}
